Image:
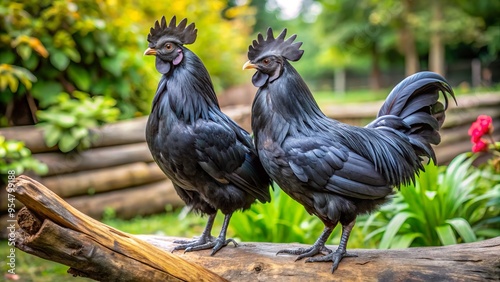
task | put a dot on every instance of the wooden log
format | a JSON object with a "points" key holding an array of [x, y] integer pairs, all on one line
{"points": [[467, 116], [476, 100], [31, 135], [98, 247], [127, 203], [258, 262], [460, 133], [149, 191], [95, 158], [241, 114], [448, 152], [103, 180], [467, 110], [120, 133], [52, 229]]}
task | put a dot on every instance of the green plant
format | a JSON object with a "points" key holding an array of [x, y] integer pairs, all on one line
{"points": [[14, 156], [282, 220], [67, 46], [446, 205], [67, 122]]}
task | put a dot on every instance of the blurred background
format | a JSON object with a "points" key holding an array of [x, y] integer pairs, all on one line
{"points": [[75, 92]]}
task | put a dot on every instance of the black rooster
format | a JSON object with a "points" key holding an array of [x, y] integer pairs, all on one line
{"points": [[337, 171], [211, 160]]}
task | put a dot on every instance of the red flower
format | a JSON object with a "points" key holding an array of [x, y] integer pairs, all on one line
{"points": [[480, 146], [485, 124], [476, 132], [482, 126]]}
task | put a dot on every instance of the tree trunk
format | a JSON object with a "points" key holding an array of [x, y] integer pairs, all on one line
{"points": [[52, 229], [376, 74], [407, 37], [437, 51]]}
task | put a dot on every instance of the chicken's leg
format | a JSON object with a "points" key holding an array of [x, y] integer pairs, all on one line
{"points": [[205, 237], [221, 241], [206, 241], [340, 253], [318, 247]]}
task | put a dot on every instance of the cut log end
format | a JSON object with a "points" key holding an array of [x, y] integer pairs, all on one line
{"points": [[28, 221]]}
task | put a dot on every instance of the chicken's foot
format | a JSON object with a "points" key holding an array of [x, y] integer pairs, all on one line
{"points": [[340, 253], [317, 248]]}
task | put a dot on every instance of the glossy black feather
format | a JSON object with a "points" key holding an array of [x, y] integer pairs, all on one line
{"points": [[311, 156], [209, 158], [337, 171]]}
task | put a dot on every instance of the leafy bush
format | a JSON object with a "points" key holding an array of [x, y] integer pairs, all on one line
{"points": [[15, 156], [67, 122], [68, 46], [96, 47], [447, 205]]}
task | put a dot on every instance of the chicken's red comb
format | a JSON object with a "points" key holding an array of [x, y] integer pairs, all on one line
{"points": [[179, 34], [275, 46]]}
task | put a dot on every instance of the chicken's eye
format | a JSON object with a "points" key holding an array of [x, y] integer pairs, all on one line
{"points": [[266, 61], [169, 46]]}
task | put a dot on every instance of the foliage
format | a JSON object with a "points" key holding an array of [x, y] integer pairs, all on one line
{"points": [[446, 205], [68, 46], [224, 30], [11, 76], [15, 156], [363, 34], [481, 132], [67, 121], [282, 220]]}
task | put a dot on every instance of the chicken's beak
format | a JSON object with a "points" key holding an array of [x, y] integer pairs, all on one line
{"points": [[248, 65], [150, 51]]}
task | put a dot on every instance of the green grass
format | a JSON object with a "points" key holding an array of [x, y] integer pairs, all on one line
{"points": [[350, 97], [367, 95], [173, 223]]}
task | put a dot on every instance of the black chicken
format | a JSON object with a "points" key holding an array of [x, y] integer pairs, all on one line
{"points": [[210, 159], [337, 171]]}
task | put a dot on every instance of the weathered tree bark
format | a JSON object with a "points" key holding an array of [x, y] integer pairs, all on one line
{"points": [[407, 39], [437, 44], [375, 73], [52, 229]]}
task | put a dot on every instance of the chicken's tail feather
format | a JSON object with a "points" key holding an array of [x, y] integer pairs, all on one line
{"points": [[413, 108]]}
